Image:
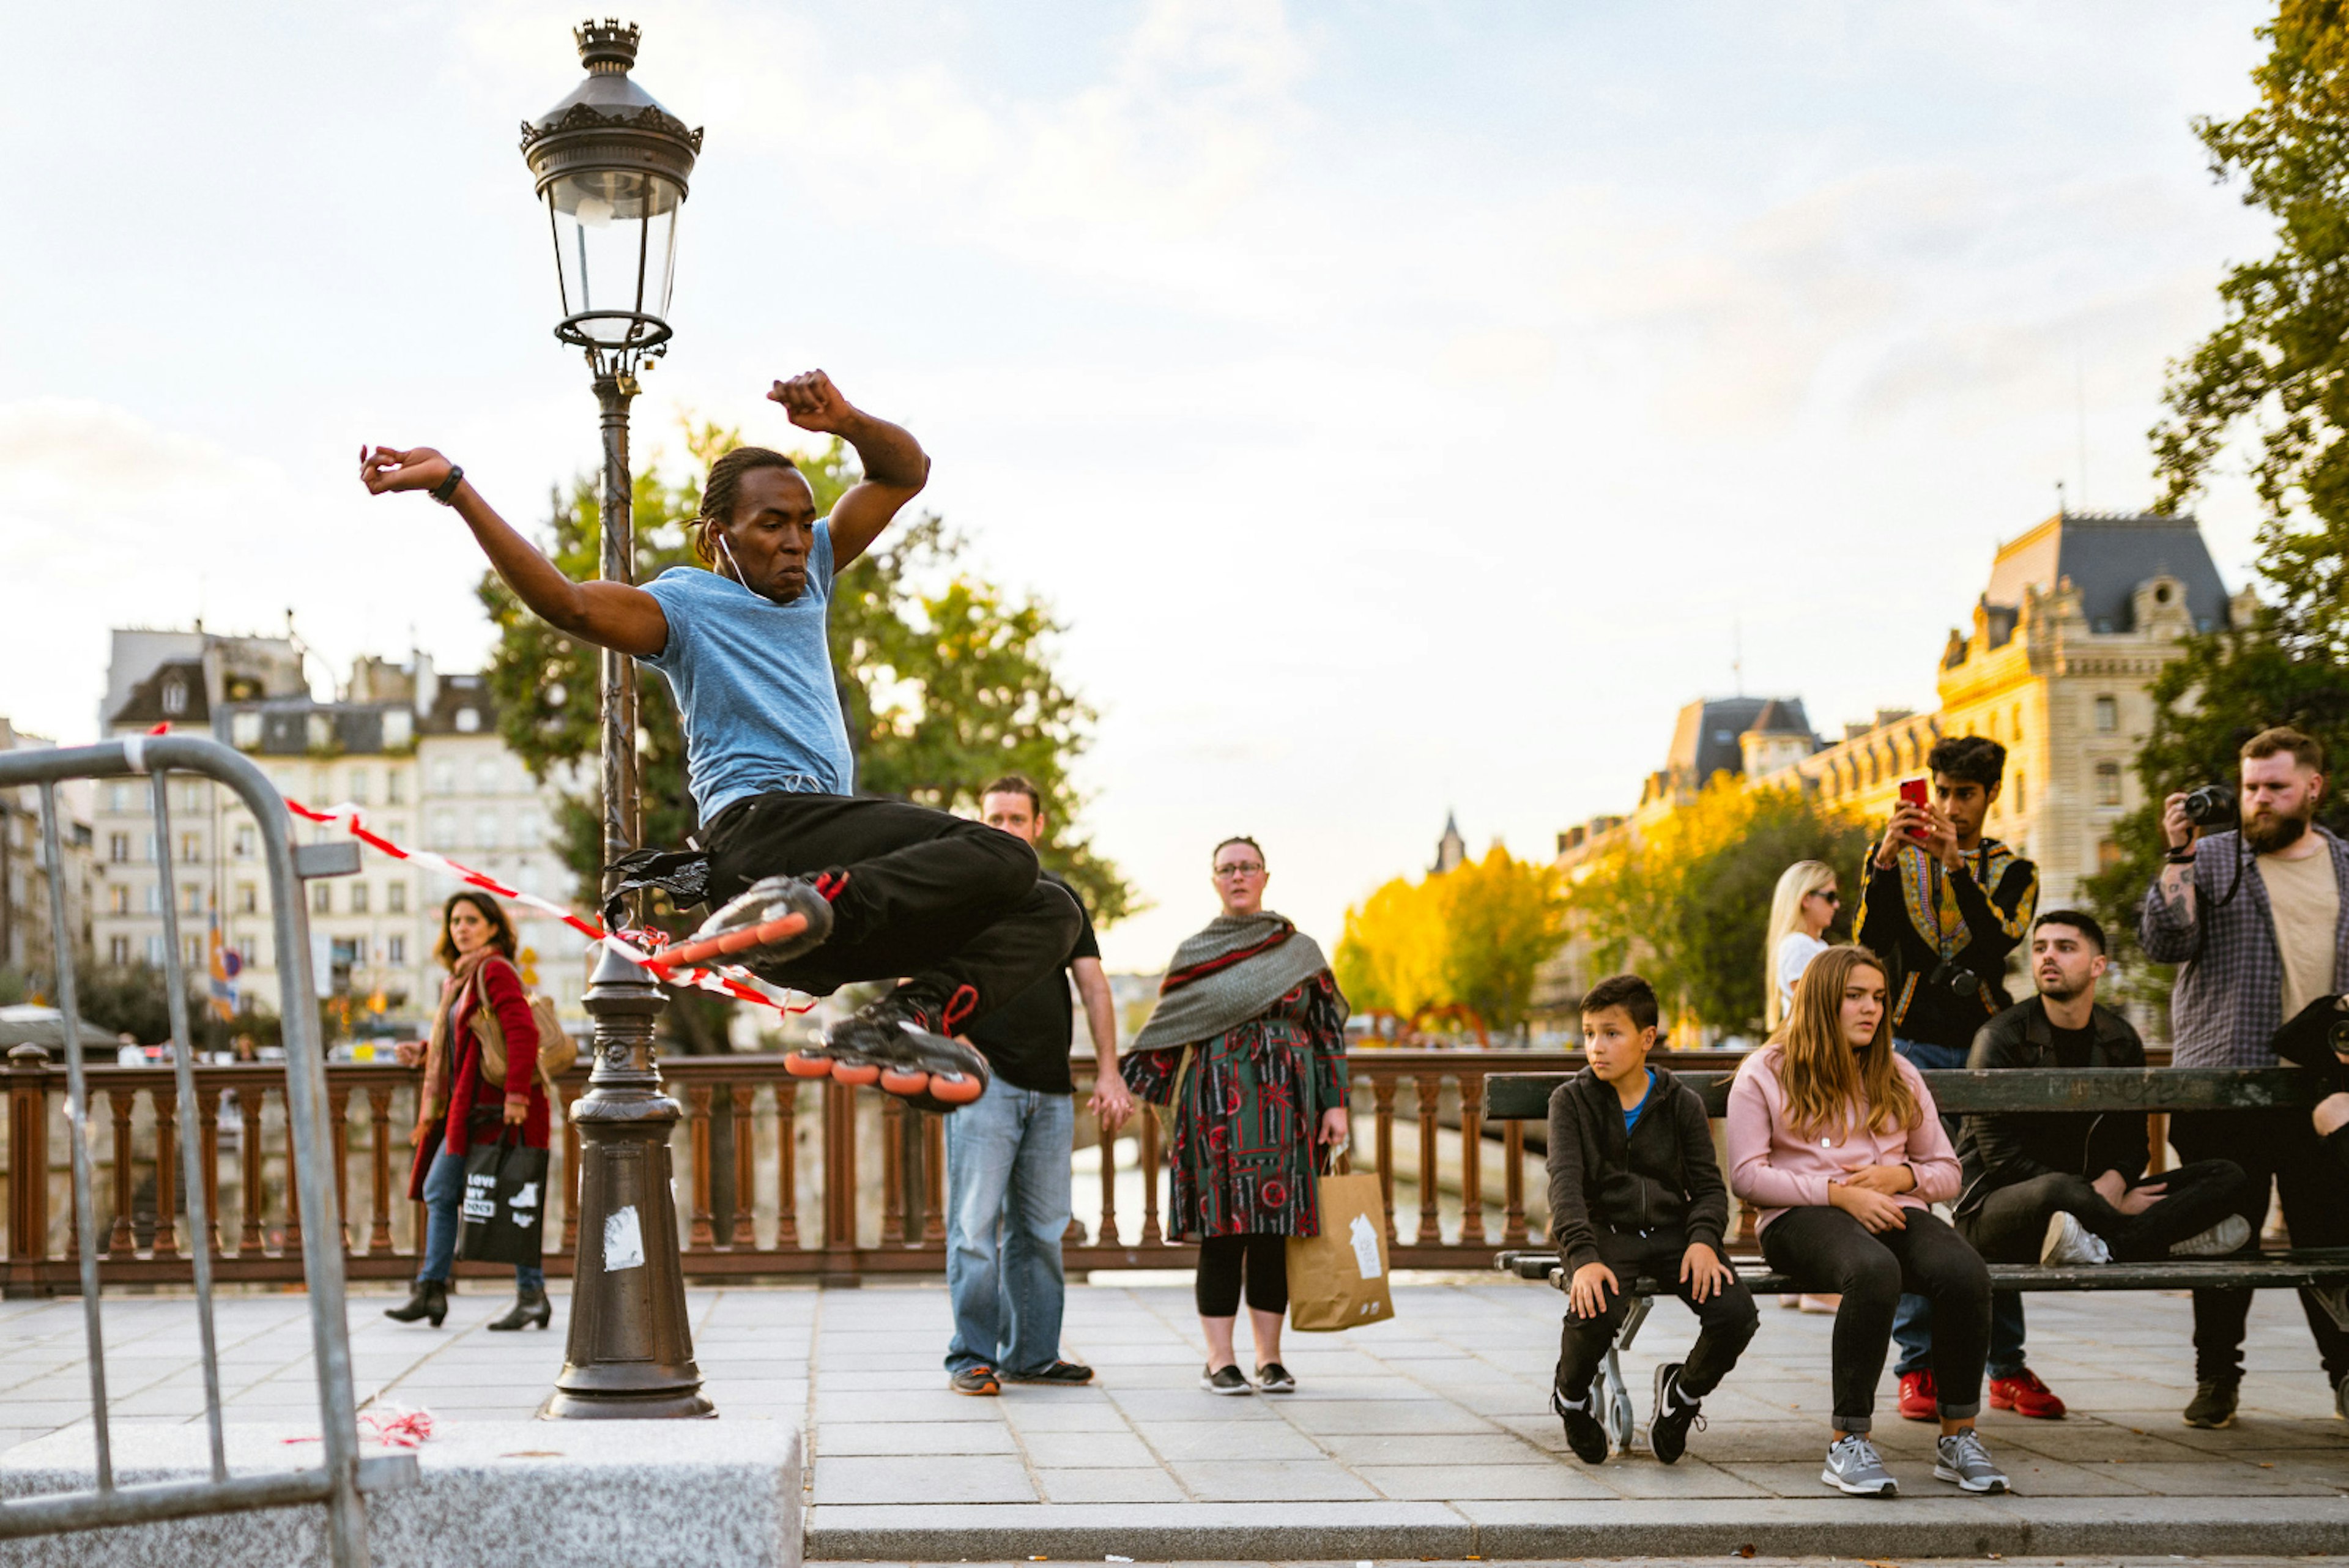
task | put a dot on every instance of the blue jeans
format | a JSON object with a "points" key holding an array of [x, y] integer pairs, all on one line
{"points": [[1006, 1208], [1912, 1319], [444, 1184]]}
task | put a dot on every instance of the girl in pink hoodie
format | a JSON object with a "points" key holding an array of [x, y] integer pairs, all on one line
{"points": [[1836, 1139]]}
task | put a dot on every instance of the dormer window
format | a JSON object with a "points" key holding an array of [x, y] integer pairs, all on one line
{"points": [[468, 721], [175, 697]]}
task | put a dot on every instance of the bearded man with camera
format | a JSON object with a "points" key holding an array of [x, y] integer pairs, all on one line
{"points": [[2253, 915]]}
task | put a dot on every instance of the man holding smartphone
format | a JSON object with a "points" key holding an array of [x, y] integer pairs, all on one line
{"points": [[1943, 907]]}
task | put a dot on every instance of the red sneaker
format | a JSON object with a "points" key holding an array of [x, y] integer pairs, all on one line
{"points": [[1919, 1400], [2025, 1396]]}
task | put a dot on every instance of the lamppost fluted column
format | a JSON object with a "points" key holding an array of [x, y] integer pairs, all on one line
{"points": [[611, 166]]}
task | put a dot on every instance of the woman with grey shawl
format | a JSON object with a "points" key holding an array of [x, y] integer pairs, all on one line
{"points": [[1247, 1045]]}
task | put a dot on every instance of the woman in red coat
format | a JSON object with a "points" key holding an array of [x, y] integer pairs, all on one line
{"points": [[457, 1107]]}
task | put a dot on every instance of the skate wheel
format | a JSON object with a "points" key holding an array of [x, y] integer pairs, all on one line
{"points": [[955, 1088], [685, 954], [855, 1075], [905, 1081], [799, 1066]]}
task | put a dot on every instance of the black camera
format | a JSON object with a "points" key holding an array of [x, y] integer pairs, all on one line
{"points": [[2212, 808], [1955, 979]]}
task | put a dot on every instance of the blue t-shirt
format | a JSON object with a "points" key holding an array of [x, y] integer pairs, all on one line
{"points": [[1632, 1117], [753, 684]]}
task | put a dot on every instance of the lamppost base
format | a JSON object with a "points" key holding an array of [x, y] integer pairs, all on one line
{"points": [[661, 1406]]}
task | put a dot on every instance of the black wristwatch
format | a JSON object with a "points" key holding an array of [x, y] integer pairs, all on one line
{"points": [[445, 492]]}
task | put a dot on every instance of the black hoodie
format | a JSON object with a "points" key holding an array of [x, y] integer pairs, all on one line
{"points": [[1661, 1175]]}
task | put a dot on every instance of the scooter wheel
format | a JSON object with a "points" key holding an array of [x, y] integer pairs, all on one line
{"points": [[855, 1075], [799, 1066], [955, 1088], [903, 1081]]}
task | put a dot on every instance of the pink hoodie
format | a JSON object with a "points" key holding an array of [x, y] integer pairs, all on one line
{"points": [[1769, 1166]]}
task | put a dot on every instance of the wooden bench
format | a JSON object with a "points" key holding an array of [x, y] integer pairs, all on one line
{"points": [[1525, 1096]]}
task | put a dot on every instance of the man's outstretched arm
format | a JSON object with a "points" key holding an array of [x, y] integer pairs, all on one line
{"points": [[896, 466], [610, 614]]}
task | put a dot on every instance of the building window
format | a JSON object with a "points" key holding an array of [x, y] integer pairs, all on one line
{"points": [[2017, 799], [2109, 784], [485, 830], [394, 951], [358, 777], [248, 898], [154, 898], [118, 848], [395, 788], [192, 848], [395, 899], [485, 776], [118, 900], [118, 797], [192, 952], [2108, 715], [468, 721], [245, 842], [322, 898], [2109, 854], [358, 899], [244, 731], [2015, 724], [175, 697], [118, 950], [157, 953], [191, 899], [444, 778]]}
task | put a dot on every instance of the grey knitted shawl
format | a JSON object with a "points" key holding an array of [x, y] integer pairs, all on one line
{"points": [[1226, 974]]}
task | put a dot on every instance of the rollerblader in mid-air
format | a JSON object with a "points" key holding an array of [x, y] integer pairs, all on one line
{"points": [[813, 888]]}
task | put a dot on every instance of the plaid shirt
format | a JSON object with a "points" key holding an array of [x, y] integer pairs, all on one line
{"points": [[2227, 1002]]}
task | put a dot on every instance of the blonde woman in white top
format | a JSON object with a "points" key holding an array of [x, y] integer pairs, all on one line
{"points": [[1801, 910]]}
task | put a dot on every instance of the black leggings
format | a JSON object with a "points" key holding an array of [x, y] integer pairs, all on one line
{"points": [[1264, 1257], [951, 903], [1828, 1252]]}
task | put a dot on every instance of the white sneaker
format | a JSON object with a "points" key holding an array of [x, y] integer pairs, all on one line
{"points": [[2227, 1236], [2069, 1242]]}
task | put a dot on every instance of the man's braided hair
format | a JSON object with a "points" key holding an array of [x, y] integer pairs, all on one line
{"points": [[719, 490]]}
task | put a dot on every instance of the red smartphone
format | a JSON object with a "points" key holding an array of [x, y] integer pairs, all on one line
{"points": [[1916, 792]]}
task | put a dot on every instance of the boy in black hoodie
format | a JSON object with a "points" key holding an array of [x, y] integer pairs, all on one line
{"points": [[1634, 1191]]}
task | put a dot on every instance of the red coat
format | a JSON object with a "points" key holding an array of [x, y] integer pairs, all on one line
{"points": [[467, 1088]]}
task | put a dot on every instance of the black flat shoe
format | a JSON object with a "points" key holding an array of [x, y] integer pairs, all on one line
{"points": [[1225, 1380], [1066, 1374], [1272, 1378]]}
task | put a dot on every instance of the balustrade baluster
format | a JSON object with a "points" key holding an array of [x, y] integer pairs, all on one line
{"points": [[1472, 1158], [1431, 1089], [291, 1244], [120, 1241], [1382, 1091], [338, 1115], [787, 1165], [840, 1236], [248, 1108], [1513, 1183], [166, 1101], [28, 1158], [895, 1216], [208, 1143], [379, 1175], [1152, 1236], [699, 1237], [934, 1180], [1107, 1235], [742, 1236]]}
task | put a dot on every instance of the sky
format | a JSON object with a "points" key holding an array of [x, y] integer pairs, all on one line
{"points": [[1407, 405]]}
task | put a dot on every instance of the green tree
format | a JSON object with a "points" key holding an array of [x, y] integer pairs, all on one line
{"points": [[1688, 904], [1470, 937], [2276, 371], [946, 681]]}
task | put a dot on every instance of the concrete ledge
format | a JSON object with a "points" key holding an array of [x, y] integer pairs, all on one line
{"points": [[581, 1494], [1768, 1527]]}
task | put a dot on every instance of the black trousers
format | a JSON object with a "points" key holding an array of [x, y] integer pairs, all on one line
{"points": [[949, 903], [1725, 1321], [1828, 1252], [1261, 1256], [2010, 1223], [2277, 1148]]}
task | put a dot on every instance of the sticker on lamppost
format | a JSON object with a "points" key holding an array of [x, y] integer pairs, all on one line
{"points": [[624, 1240]]}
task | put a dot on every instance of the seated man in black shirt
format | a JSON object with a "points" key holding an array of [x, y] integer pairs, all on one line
{"points": [[2063, 1187], [1007, 1152]]}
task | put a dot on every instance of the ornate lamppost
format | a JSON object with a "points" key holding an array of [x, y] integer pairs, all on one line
{"points": [[611, 166]]}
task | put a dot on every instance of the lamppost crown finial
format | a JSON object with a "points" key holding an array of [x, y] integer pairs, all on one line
{"points": [[607, 47]]}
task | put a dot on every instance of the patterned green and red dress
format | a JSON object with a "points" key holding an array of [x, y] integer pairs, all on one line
{"points": [[1247, 1097]]}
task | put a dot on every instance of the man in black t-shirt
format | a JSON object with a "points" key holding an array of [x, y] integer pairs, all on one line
{"points": [[1008, 1152]]}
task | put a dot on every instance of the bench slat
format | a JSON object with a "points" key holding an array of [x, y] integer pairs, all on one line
{"points": [[2262, 1271], [1525, 1096]]}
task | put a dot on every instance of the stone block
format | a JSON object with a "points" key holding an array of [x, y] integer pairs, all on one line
{"points": [[581, 1494], [1147, 1532]]}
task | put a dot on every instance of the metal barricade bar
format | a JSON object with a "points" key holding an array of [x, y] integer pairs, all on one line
{"points": [[339, 1483]]}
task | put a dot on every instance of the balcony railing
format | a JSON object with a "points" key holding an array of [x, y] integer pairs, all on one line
{"points": [[777, 1177]]}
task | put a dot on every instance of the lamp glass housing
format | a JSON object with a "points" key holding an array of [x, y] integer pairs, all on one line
{"points": [[615, 252]]}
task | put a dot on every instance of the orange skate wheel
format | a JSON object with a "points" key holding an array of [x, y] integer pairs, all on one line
{"points": [[904, 1080], [799, 1066], [955, 1088], [687, 952], [855, 1075]]}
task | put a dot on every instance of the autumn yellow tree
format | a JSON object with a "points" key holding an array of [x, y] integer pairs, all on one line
{"points": [[1470, 937]]}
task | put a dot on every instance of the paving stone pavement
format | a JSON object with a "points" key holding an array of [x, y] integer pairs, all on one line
{"points": [[1432, 1427]]}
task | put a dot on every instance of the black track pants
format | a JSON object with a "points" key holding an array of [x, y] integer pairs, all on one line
{"points": [[2012, 1223], [2277, 1148], [1726, 1320]]}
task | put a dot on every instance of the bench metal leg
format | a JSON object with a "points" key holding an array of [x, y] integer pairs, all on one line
{"points": [[1617, 1416]]}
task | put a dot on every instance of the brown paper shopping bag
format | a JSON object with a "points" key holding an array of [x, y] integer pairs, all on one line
{"points": [[1339, 1278]]}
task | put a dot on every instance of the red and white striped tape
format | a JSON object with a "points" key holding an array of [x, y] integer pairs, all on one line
{"points": [[639, 947]]}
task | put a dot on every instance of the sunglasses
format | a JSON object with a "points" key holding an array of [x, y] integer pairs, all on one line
{"points": [[1830, 898]]}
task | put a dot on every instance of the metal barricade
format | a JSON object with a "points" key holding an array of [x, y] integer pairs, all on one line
{"points": [[344, 1476]]}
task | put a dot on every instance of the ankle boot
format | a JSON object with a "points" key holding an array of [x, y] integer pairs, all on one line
{"points": [[427, 1298], [531, 1309]]}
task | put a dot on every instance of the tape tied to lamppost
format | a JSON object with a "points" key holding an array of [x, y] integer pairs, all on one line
{"points": [[639, 947]]}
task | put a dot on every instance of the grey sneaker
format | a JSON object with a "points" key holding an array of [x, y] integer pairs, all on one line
{"points": [[1961, 1457], [2069, 1242], [2227, 1236], [1853, 1467]]}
